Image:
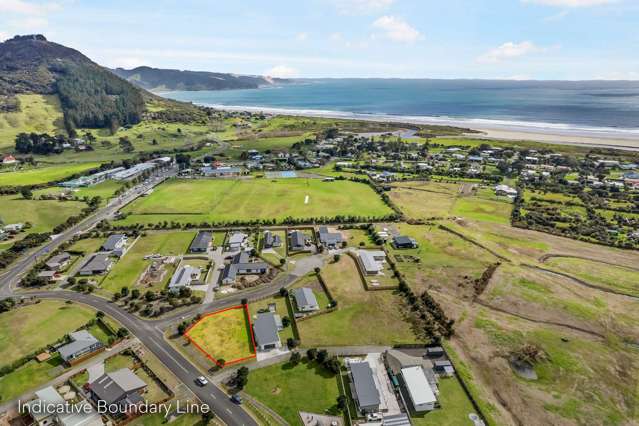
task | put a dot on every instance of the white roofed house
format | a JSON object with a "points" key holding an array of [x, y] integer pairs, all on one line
{"points": [[237, 241], [421, 394], [185, 276], [305, 300], [371, 261]]}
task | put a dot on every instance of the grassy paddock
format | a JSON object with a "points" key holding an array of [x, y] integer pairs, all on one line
{"points": [[362, 317], [44, 174], [230, 200], [38, 113], [24, 330]]}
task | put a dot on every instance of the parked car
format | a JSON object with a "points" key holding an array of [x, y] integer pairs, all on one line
{"points": [[236, 399], [202, 381]]}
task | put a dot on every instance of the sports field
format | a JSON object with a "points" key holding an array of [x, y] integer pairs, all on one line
{"points": [[242, 200], [224, 335], [44, 174]]}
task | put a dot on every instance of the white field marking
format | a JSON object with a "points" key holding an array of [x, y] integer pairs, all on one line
{"points": [[306, 199]]}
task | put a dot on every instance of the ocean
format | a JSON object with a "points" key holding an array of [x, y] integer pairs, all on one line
{"points": [[589, 107]]}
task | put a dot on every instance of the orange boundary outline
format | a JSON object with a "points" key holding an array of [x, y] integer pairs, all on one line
{"points": [[231, 362]]}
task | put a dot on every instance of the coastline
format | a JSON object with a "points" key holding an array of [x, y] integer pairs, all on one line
{"points": [[625, 139]]}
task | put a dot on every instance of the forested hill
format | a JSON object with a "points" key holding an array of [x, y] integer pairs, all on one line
{"points": [[166, 79], [91, 96]]}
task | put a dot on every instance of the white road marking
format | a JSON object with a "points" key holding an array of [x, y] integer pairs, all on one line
{"points": [[170, 356], [229, 411], [213, 396]]}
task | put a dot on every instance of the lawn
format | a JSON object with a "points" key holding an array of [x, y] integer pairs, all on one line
{"points": [[615, 277], [37, 113], [224, 335], [127, 270], [288, 389], [30, 376], [27, 329], [362, 318], [455, 406], [244, 200], [87, 245], [44, 174]]}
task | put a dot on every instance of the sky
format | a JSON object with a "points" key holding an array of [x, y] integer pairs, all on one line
{"points": [[490, 39]]}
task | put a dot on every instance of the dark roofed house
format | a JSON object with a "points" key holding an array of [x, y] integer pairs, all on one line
{"points": [[271, 240], [58, 261], [403, 242], [305, 300], [200, 243], [364, 389], [122, 388], [329, 239], [241, 265], [114, 242], [98, 263], [265, 329], [297, 241], [82, 344]]}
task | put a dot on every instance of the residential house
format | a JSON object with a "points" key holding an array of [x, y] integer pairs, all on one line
{"points": [[271, 240], [37, 408], [121, 388], [114, 243], [96, 264], [14, 227], [364, 388], [82, 344], [241, 265], [404, 242], [297, 241], [237, 241], [200, 243], [221, 171], [421, 394], [305, 300], [505, 190], [330, 240], [48, 276], [59, 261], [184, 277], [265, 330], [371, 261], [83, 414]]}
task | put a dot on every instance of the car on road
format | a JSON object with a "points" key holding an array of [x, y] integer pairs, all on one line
{"points": [[236, 399], [202, 381]]}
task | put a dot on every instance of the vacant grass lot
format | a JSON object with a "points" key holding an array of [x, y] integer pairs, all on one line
{"points": [[24, 330], [289, 389], [231, 200], [444, 259], [44, 174], [224, 335], [615, 277], [127, 270], [424, 200], [362, 318], [587, 381], [38, 113], [43, 215]]}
